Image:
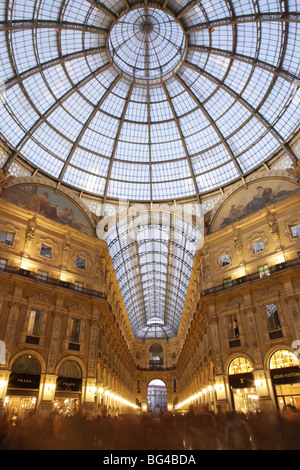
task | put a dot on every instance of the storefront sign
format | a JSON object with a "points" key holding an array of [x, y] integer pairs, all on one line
{"points": [[241, 380], [286, 375], [68, 384], [24, 381]]}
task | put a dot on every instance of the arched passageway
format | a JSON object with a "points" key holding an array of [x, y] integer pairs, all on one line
{"points": [[157, 397]]}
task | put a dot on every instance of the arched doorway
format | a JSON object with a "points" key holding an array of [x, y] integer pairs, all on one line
{"points": [[157, 397]]}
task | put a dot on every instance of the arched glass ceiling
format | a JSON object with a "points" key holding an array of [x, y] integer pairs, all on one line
{"points": [[152, 254], [148, 101]]}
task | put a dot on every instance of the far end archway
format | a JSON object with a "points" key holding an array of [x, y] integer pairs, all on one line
{"points": [[157, 397]]}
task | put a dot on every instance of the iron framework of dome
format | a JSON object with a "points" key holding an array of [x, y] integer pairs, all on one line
{"points": [[149, 101]]}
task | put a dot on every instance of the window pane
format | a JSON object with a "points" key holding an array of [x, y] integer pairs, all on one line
{"points": [[80, 263], [295, 229], [273, 317], [46, 251], [34, 322], [75, 330]]}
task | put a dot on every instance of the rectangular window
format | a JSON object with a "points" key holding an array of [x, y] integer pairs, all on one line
{"points": [[6, 237], [227, 283], [34, 325], [46, 251], [273, 317], [75, 330], [224, 260], [232, 325], [78, 286], [3, 263], [295, 230], [263, 270], [80, 263], [258, 246], [41, 276]]}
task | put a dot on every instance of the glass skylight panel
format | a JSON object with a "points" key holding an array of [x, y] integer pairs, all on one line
{"points": [[292, 53], [233, 119], [289, 121], [50, 9], [46, 44], [22, 10], [130, 172], [222, 38], [247, 39], [200, 37], [270, 42], [165, 151], [43, 158], [105, 125], [247, 135], [78, 107], [244, 8], [256, 88], [253, 156], [23, 50], [170, 171], [77, 11], [21, 107], [90, 162], [132, 152], [97, 143], [10, 127], [131, 191], [276, 100], [215, 178], [200, 141], [65, 123], [183, 103]]}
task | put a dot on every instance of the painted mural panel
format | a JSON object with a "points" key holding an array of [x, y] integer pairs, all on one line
{"points": [[46, 202], [246, 201]]}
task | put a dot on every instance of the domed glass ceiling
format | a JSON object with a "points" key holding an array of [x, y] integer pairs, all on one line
{"points": [[148, 101]]}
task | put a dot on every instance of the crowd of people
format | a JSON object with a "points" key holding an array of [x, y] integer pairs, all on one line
{"points": [[201, 430]]}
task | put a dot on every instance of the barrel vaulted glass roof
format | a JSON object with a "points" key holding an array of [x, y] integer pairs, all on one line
{"points": [[149, 101]]}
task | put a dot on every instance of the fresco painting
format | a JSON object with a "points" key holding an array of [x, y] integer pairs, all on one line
{"points": [[247, 201], [46, 202]]}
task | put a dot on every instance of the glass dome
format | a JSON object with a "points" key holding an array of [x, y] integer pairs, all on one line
{"points": [[148, 101]]}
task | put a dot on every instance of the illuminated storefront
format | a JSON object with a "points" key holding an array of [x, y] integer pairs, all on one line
{"points": [[68, 389], [242, 385], [285, 375]]}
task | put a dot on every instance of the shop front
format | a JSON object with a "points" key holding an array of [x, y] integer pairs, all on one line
{"points": [[242, 386], [67, 400], [285, 376], [23, 387]]}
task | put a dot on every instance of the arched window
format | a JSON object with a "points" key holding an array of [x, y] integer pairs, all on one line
{"points": [[283, 358], [240, 365], [70, 369], [26, 364], [156, 354]]}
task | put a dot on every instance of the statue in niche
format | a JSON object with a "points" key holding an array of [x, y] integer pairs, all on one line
{"points": [[3, 180], [273, 229], [295, 171], [238, 246]]}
